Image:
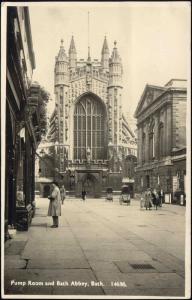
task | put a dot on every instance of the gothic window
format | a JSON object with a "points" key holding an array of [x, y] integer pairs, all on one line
{"points": [[161, 140], [89, 129], [151, 142]]}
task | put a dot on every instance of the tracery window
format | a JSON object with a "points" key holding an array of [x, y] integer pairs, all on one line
{"points": [[89, 129]]}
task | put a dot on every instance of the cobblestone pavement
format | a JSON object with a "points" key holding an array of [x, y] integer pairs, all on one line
{"points": [[100, 248]]}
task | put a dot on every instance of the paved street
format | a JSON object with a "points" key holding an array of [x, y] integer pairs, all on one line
{"points": [[100, 248]]}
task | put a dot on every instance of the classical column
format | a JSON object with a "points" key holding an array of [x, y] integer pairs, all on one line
{"points": [[147, 142], [156, 137], [139, 145]]}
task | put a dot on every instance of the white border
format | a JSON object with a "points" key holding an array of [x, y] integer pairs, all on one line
{"points": [[3, 110]]}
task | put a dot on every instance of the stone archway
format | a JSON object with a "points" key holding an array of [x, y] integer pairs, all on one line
{"points": [[88, 184], [90, 181]]}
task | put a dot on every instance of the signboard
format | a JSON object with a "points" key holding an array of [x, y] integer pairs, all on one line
{"points": [[167, 198], [127, 180]]}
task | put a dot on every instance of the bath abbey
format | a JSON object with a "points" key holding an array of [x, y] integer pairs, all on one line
{"points": [[92, 140]]}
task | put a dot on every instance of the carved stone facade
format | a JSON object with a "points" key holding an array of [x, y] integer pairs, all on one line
{"points": [[88, 115], [161, 125]]}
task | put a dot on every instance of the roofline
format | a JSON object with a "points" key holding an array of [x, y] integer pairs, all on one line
{"points": [[29, 36], [127, 126], [177, 79], [141, 98], [156, 86], [165, 90]]}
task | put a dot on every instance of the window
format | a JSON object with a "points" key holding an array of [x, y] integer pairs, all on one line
{"points": [[147, 181], [151, 142], [161, 140], [89, 129], [142, 182], [143, 147]]}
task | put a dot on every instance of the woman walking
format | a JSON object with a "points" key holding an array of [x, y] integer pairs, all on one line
{"points": [[142, 200], [63, 193], [54, 209], [148, 203]]}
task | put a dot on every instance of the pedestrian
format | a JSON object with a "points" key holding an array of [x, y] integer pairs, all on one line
{"points": [[63, 193], [83, 195], [142, 200], [148, 202], [155, 198], [160, 197], [20, 197], [54, 209]]}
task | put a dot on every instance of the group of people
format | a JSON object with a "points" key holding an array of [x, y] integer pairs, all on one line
{"points": [[151, 198]]}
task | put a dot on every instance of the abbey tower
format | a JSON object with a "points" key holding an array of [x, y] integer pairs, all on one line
{"points": [[88, 127]]}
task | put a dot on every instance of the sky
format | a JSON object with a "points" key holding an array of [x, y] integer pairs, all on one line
{"points": [[153, 40]]}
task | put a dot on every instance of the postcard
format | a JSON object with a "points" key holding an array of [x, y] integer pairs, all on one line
{"points": [[95, 156]]}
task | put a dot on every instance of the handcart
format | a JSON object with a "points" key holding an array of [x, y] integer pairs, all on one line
{"points": [[109, 194], [125, 196]]}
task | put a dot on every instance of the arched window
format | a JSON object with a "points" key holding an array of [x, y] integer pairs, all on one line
{"points": [[89, 129], [143, 147], [151, 142], [161, 140]]}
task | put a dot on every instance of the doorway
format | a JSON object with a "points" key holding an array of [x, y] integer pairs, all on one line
{"points": [[147, 181], [89, 184]]}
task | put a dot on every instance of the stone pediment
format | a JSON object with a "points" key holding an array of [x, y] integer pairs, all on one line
{"points": [[150, 93]]}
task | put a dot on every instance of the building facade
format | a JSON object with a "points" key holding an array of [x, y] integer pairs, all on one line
{"points": [[161, 127], [22, 121], [90, 133]]}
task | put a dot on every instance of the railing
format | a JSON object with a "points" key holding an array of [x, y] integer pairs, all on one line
{"points": [[93, 164], [95, 161]]}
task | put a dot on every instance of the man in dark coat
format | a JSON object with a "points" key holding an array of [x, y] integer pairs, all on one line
{"points": [[83, 194], [155, 198]]}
